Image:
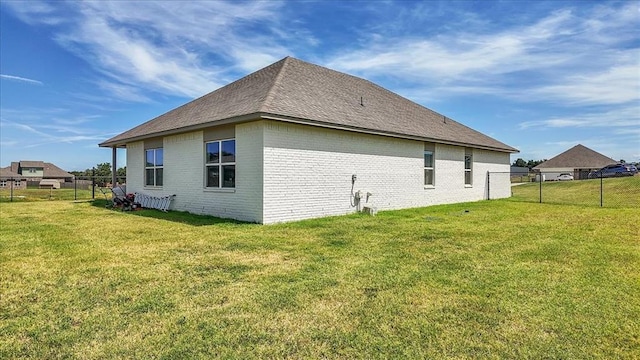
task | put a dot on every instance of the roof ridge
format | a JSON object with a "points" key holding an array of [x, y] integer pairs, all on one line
{"points": [[271, 92]]}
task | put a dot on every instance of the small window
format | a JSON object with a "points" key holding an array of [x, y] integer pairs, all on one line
{"points": [[220, 164], [468, 166], [3, 183], [429, 161], [154, 162]]}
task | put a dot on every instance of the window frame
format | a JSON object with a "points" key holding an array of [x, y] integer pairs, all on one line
{"points": [[468, 171], [155, 167], [429, 148], [220, 164]]}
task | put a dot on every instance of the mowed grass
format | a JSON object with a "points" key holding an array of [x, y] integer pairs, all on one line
{"points": [[617, 192], [18, 195], [492, 279]]}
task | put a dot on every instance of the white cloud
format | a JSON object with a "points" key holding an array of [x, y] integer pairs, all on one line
{"points": [[569, 56], [175, 48], [37, 127], [614, 118], [615, 85], [18, 78]]}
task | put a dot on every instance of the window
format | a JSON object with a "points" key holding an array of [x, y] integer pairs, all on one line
{"points": [[468, 161], [153, 167], [32, 170], [3, 183], [220, 164], [429, 160], [16, 183]]}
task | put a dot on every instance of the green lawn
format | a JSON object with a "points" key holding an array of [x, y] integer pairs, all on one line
{"points": [[19, 195], [493, 279], [617, 192]]}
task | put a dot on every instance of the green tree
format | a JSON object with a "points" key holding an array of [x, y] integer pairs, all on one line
{"points": [[520, 162], [533, 163], [103, 169]]}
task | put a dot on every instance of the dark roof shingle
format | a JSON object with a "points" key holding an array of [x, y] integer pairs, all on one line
{"points": [[578, 157], [294, 90]]}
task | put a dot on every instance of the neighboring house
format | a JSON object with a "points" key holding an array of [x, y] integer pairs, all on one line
{"points": [[296, 140], [10, 179], [577, 161], [35, 171]]}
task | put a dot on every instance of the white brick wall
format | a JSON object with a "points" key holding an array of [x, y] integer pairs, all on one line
{"points": [[184, 175], [287, 172], [135, 166], [308, 172]]}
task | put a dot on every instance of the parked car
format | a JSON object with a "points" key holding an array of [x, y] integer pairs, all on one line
{"points": [[614, 171], [565, 177]]}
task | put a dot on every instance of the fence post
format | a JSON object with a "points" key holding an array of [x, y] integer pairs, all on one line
{"points": [[75, 189], [540, 180], [11, 191], [601, 190], [93, 183]]}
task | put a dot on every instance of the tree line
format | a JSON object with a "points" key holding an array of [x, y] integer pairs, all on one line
{"points": [[533, 163], [102, 170], [528, 164]]}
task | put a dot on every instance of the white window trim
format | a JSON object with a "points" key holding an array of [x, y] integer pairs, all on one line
{"points": [[468, 152], [432, 149], [220, 164], [154, 168]]}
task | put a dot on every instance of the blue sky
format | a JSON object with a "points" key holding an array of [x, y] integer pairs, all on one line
{"points": [[540, 76]]}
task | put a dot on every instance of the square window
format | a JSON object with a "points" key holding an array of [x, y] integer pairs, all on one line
{"points": [[154, 160], [228, 151], [213, 176], [220, 167], [228, 176], [213, 152]]}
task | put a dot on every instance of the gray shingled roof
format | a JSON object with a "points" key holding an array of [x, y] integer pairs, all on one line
{"points": [[6, 172], [52, 171], [578, 157], [48, 169], [31, 164], [297, 91]]}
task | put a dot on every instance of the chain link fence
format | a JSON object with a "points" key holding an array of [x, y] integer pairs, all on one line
{"points": [[613, 192], [80, 188]]}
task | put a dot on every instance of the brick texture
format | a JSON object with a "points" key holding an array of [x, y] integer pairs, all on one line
{"points": [[288, 172]]}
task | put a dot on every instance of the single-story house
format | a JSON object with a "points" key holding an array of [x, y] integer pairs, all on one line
{"points": [[296, 140], [10, 179], [578, 161], [35, 171]]}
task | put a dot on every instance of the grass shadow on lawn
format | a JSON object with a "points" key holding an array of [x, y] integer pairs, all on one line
{"points": [[175, 216]]}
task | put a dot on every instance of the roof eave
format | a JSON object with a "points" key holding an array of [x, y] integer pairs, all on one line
{"points": [[121, 143], [379, 132]]}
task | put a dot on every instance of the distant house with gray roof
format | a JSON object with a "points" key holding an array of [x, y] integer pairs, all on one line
{"points": [[10, 179], [578, 161], [295, 140], [36, 171]]}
